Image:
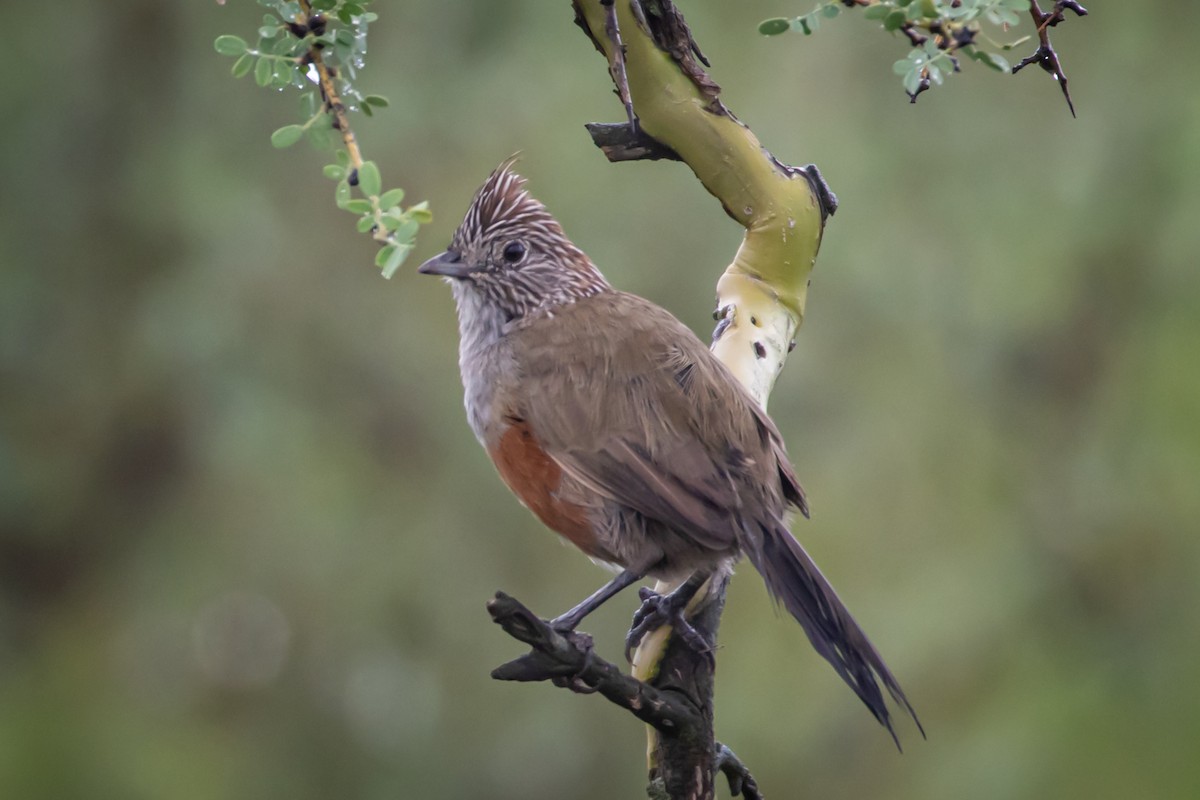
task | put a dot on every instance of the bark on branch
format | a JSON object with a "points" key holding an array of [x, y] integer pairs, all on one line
{"points": [[678, 704], [568, 660]]}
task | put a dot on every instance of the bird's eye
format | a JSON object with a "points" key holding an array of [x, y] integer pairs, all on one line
{"points": [[514, 252]]}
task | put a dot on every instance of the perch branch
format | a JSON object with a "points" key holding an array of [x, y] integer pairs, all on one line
{"points": [[567, 659]]}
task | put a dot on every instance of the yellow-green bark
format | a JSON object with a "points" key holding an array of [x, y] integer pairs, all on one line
{"points": [[761, 294], [767, 281]]}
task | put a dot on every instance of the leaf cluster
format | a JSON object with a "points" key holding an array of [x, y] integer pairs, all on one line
{"points": [[937, 30], [318, 48], [380, 212]]}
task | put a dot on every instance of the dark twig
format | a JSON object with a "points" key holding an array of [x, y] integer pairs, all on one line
{"points": [[678, 704], [621, 142], [613, 31], [1044, 56], [567, 660]]}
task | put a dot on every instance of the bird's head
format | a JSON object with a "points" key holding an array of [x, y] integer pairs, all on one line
{"points": [[510, 253]]}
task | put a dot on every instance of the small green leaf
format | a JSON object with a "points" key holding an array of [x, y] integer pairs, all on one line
{"points": [[320, 137], [376, 100], [773, 27], [281, 74], [365, 224], [902, 66], [395, 259], [390, 198], [308, 104], [992, 60], [334, 171], [421, 213], [287, 136], [406, 231], [384, 254], [368, 179], [263, 72], [229, 45], [831, 11], [894, 20], [358, 206], [878, 11], [912, 81], [242, 66], [341, 195], [366, 109]]}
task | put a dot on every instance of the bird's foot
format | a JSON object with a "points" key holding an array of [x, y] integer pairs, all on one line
{"points": [[741, 782], [665, 609], [564, 623]]}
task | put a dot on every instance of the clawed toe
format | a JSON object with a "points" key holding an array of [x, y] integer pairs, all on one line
{"points": [[658, 610]]}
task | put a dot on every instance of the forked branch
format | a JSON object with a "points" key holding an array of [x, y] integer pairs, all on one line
{"points": [[1045, 56]]}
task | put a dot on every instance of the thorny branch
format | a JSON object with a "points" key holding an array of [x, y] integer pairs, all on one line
{"points": [[950, 37], [1044, 56]]}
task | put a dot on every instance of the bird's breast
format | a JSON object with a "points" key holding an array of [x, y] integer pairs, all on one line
{"points": [[534, 477]]}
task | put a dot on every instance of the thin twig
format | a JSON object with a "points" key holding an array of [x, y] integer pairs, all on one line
{"points": [[1044, 56], [333, 102], [612, 30]]}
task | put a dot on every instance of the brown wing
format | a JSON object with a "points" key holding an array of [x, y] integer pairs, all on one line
{"points": [[633, 406]]}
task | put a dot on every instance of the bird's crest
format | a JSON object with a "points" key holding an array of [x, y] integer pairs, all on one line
{"points": [[503, 201]]}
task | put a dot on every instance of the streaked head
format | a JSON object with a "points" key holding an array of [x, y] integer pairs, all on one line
{"points": [[512, 253]]}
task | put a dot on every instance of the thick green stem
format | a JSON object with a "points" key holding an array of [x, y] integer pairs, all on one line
{"points": [[763, 291]]}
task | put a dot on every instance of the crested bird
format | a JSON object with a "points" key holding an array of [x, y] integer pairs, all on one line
{"points": [[618, 428]]}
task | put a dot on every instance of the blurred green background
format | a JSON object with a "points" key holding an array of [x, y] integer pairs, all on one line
{"points": [[246, 536]]}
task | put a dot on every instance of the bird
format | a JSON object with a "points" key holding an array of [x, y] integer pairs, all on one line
{"points": [[615, 425]]}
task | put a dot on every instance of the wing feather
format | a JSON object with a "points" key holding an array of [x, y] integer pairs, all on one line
{"points": [[640, 412]]}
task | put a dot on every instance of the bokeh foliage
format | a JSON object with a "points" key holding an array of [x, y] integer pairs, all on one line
{"points": [[246, 536]]}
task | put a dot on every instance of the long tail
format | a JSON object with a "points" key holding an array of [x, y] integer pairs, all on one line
{"points": [[796, 582]]}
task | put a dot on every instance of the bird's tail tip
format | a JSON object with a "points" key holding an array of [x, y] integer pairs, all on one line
{"points": [[796, 582]]}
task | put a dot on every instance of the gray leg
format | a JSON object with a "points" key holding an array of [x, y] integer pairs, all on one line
{"points": [[568, 621]]}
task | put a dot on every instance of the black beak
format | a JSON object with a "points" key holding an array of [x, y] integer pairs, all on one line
{"points": [[449, 264]]}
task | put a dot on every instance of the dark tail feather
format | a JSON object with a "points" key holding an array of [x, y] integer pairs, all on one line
{"points": [[796, 582]]}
